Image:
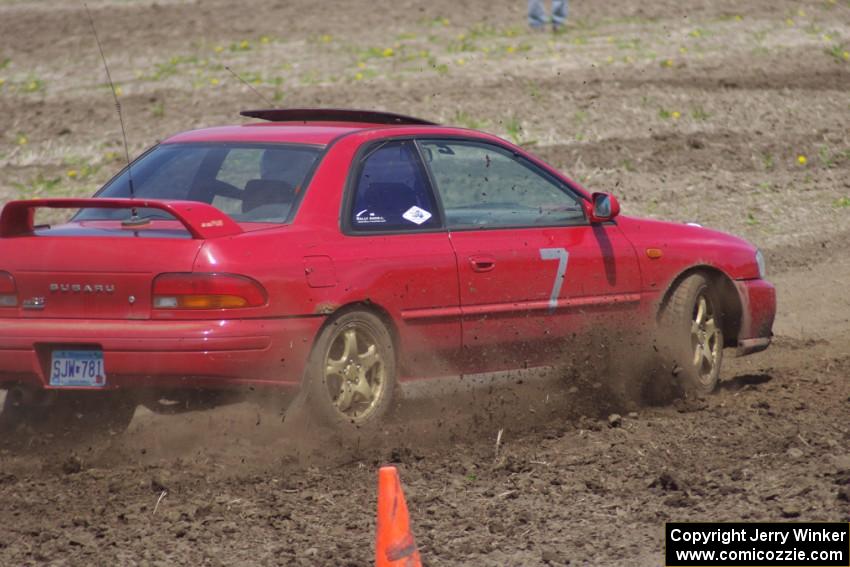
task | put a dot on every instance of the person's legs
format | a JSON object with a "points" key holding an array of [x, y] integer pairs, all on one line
{"points": [[536, 14], [559, 13]]}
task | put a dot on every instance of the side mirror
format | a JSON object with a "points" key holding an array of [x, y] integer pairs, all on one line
{"points": [[604, 207]]}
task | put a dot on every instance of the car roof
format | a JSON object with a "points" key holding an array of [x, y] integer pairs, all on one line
{"points": [[315, 133], [302, 133], [299, 125]]}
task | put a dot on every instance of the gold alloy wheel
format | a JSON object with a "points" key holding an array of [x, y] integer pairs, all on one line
{"points": [[355, 374], [705, 339]]}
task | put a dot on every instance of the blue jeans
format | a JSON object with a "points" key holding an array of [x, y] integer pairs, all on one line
{"points": [[537, 13]]}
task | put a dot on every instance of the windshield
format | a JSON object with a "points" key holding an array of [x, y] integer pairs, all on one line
{"points": [[248, 182]]}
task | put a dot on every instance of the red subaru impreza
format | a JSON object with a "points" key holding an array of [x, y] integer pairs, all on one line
{"points": [[342, 252]]}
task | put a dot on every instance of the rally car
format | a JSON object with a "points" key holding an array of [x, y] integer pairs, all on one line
{"points": [[339, 253]]}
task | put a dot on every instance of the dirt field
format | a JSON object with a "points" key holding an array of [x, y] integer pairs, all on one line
{"points": [[732, 114]]}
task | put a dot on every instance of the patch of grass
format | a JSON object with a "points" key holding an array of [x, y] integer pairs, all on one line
{"points": [[310, 78], [38, 186], [440, 68], [751, 219], [462, 118], [79, 168], [168, 68], [32, 85], [462, 44], [521, 48], [633, 43], [759, 36], [698, 113], [158, 109], [768, 161], [842, 203], [243, 45], [665, 114], [436, 21], [838, 52], [514, 130], [375, 53], [829, 158], [580, 117], [5, 62], [365, 74]]}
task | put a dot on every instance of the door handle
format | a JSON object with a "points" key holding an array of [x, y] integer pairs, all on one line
{"points": [[482, 263]]}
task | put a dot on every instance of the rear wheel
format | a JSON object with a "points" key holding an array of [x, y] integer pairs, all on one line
{"points": [[61, 413], [692, 334], [351, 375]]}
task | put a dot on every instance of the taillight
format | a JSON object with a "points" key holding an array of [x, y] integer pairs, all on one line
{"points": [[8, 290], [206, 291]]}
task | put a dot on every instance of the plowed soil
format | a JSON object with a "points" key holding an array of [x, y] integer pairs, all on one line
{"points": [[735, 115]]}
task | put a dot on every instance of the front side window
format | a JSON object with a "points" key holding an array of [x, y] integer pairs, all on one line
{"points": [[485, 186], [392, 191], [248, 182]]}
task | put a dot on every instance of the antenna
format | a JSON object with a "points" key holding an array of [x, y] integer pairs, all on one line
{"points": [[134, 217], [264, 99]]}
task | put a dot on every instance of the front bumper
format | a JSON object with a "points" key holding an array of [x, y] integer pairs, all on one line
{"points": [[164, 354], [758, 310]]}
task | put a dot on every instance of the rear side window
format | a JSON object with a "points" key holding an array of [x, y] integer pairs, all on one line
{"points": [[249, 182], [392, 191]]}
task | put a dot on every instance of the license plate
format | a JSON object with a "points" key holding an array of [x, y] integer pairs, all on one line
{"points": [[77, 368]]}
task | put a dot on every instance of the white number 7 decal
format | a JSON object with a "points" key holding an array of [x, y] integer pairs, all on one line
{"points": [[561, 255]]}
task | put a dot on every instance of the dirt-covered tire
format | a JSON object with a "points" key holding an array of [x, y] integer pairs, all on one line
{"points": [[67, 413], [350, 379], [691, 335]]}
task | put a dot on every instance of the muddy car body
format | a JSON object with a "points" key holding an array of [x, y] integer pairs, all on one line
{"points": [[385, 249]]}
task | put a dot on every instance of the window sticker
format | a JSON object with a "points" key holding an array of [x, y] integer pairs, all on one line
{"points": [[365, 217], [416, 215]]}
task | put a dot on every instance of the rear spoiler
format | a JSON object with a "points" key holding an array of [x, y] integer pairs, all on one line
{"points": [[200, 219]]}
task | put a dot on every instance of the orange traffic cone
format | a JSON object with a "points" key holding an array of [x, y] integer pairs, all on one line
{"points": [[394, 544]]}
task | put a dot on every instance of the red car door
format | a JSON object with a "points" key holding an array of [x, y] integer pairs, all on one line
{"points": [[396, 250], [532, 270]]}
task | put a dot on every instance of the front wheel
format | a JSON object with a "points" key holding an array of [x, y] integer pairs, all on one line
{"points": [[351, 374], [692, 334]]}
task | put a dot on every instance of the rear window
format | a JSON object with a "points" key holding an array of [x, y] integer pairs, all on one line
{"points": [[249, 182]]}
